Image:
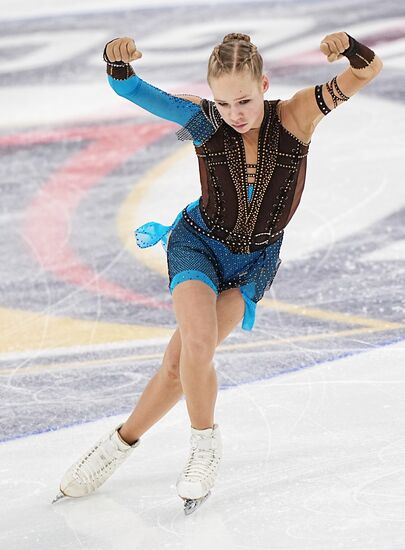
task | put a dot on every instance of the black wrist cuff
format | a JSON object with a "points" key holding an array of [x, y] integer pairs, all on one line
{"points": [[120, 70], [117, 69], [359, 55]]}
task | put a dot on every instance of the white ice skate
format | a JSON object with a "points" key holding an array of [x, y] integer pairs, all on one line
{"points": [[197, 479], [96, 466]]}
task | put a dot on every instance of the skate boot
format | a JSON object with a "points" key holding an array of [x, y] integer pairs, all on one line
{"points": [[96, 466], [195, 482]]}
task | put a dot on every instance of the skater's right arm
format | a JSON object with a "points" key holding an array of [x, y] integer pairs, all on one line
{"points": [[118, 54]]}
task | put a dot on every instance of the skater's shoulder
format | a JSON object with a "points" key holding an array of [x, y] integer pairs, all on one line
{"points": [[193, 98], [284, 110]]}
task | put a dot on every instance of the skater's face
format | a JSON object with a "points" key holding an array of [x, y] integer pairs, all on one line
{"points": [[239, 99]]}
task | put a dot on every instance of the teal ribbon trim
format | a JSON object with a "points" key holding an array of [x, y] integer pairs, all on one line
{"points": [[249, 316], [151, 233]]}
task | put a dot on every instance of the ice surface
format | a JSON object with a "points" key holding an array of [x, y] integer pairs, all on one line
{"points": [[312, 460]]}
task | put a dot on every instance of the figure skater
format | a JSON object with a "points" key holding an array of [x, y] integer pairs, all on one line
{"points": [[223, 249]]}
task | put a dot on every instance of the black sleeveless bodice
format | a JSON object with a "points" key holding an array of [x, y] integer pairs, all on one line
{"points": [[247, 225]]}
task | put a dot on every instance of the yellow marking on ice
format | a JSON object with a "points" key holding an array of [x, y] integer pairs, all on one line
{"points": [[327, 315], [25, 330], [34, 369], [129, 213]]}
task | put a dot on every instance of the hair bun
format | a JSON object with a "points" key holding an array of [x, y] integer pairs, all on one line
{"points": [[236, 36]]}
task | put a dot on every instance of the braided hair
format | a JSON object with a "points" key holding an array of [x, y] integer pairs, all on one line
{"points": [[234, 54]]}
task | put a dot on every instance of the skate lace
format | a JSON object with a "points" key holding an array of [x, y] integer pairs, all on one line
{"points": [[202, 463], [96, 465]]}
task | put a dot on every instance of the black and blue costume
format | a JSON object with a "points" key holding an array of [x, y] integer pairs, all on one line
{"points": [[231, 236]]}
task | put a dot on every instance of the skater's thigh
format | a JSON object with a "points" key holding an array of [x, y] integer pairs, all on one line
{"points": [[195, 309], [230, 309]]}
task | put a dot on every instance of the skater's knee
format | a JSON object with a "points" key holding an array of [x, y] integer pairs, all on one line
{"points": [[199, 348]]}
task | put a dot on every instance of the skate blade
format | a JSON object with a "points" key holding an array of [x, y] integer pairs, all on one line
{"points": [[191, 504], [58, 497]]}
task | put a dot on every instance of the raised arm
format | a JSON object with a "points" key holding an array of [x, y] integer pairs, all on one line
{"points": [[310, 105], [183, 110]]}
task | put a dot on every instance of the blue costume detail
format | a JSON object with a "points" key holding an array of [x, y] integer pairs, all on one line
{"points": [[160, 103], [190, 255], [250, 191]]}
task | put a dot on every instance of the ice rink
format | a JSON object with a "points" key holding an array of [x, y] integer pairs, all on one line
{"points": [[311, 402]]}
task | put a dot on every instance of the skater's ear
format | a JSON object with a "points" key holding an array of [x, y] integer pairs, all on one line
{"points": [[265, 83]]}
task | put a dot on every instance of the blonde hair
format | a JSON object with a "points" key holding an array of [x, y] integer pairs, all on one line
{"points": [[233, 55]]}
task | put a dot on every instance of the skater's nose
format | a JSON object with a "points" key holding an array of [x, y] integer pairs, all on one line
{"points": [[235, 114]]}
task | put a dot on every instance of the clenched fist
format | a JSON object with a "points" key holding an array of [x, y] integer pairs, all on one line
{"points": [[122, 49], [333, 45]]}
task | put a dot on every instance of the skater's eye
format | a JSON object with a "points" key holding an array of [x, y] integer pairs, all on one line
{"points": [[241, 102]]}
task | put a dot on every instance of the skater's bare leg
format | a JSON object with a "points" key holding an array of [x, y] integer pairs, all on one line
{"points": [[165, 389], [195, 308], [160, 394]]}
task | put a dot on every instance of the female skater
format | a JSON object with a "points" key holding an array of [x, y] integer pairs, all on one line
{"points": [[223, 249]]}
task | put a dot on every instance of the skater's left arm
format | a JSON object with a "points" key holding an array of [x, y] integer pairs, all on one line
{"points": [[310, 105]]}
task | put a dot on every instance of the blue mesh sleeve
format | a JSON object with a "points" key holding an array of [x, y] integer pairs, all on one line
{"points": [[196, 126]]}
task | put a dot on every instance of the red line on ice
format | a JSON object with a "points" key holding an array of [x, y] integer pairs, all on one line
{"points": [[48, 219]]}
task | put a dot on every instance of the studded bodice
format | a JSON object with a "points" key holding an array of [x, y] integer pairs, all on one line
{"points": [[248, 205]]}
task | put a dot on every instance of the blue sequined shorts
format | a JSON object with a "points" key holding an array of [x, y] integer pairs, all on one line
{"points": [[192, 256]]}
